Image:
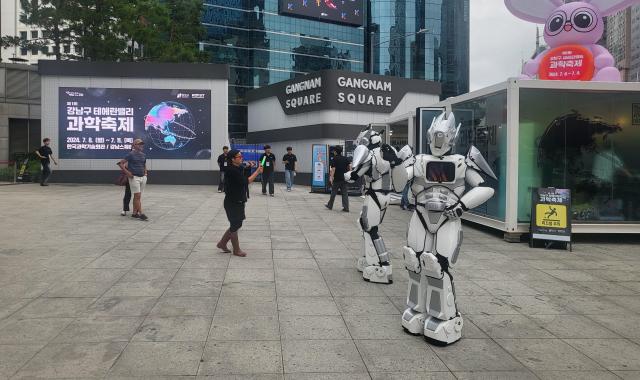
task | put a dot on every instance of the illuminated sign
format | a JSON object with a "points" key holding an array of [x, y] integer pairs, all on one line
{"points": [[348, 12]]}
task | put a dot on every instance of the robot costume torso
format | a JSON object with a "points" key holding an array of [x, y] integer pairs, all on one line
{"points": [[439, 183], [373, 161]]}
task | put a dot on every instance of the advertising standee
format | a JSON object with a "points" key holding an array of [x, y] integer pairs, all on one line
{"points": [[101, 123], [550, 215]]}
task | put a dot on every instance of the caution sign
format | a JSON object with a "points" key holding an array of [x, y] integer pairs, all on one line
{"points": [[550, 214]]}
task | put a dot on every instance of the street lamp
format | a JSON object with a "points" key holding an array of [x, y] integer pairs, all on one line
{"points": [[421, 31]]}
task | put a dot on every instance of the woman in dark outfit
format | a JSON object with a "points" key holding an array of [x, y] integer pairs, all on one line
{"points": [[235, 189]]}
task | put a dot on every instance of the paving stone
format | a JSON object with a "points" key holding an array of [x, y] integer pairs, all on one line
{"points": [[55, 308], [398, 356], [366, 306], [509, 326], [99, 329], [246, 306], [249, 289], [477, 355], [13, 357], [322, 327], [79, 360], [302, 289], [121, 306], [153, 359], [185, 306], [307, 306], [493, 375], [573, 326], [548, 354], [321, 356], [31, 331], [232, 327], [173, 329], [241, 357], [613, 354]]}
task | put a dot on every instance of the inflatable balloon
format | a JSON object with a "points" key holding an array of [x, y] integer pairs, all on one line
{"points": [[572, 31]]}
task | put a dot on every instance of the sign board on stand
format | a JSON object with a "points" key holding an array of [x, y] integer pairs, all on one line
{"points": [[551, 215], [319, 165]]}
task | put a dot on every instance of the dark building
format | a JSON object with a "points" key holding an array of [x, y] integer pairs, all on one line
{"points": [[268, 41]]}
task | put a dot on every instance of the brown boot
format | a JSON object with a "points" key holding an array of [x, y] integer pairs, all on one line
{"points": [[222, 244], [235, 242]]}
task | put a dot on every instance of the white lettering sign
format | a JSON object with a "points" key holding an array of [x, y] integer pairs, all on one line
{"points": [[309, 84], [364, 84]]}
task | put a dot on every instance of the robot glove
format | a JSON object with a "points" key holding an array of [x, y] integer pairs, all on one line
{"points": [[454, 212]]}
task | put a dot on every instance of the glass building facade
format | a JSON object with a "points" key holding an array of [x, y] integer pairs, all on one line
{"points": [[263, 47]]}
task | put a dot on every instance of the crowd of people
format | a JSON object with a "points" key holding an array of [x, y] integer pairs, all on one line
{"points": [[234, 179]]}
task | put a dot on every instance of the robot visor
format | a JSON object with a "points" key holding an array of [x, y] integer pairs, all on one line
{"points": [[439, 140]]}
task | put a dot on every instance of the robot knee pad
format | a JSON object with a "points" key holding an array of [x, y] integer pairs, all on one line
{"points": [[378, 274], [411, 260], [443, 332], [430, 265]]}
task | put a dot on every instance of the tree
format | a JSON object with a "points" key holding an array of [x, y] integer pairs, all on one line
{"points": [[52, 17], [183, 33], [142, 23]]}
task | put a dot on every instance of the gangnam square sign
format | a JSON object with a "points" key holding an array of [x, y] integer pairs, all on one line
{"points": [[96, 123]]}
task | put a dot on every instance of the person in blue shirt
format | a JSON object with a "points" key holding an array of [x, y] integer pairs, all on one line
{"points": [[134, 166]]}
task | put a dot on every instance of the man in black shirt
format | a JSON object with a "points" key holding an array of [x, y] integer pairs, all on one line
{"points": [[222, 164], [269, 168], [289, 160], [339, 166], [46, 154]]}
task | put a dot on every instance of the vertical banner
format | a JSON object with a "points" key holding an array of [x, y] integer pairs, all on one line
{"points": [[319, 166], [551, 214]]}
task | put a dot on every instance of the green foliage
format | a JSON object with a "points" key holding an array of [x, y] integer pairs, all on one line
{"points": [[116, 30]]}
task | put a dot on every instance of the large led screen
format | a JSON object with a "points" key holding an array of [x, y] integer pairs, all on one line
{"points": [[340, 11], [99, 123]]}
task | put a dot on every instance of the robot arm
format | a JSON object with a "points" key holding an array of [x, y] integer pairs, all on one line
{"points": [[402, 174], [360, 164], [479, 194]]}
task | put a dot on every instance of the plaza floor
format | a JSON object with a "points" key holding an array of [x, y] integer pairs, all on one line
{"points": [[86, 293]]}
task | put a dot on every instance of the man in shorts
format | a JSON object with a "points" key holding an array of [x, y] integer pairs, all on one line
{"points": [[134, 166]]}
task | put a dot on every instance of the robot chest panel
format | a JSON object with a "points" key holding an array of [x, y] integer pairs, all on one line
{"points": [[447, 172], [379, 167]]}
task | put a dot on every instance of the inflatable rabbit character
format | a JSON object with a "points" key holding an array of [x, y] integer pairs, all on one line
{"points": [[571, 30]]}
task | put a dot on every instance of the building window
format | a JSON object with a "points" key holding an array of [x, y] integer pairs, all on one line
{"points": [[23, 51], [45, 50], [23, 36], [34, 34], [67, 49]]}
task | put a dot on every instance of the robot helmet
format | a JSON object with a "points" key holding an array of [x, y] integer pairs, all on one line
{"points": [[369, 137], [442, 134]]}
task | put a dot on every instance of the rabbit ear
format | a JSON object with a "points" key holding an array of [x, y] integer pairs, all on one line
{"points": [[609, 7], [534, 11]]}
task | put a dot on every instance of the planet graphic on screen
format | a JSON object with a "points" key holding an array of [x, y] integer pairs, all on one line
{"points": [[169, 125]]}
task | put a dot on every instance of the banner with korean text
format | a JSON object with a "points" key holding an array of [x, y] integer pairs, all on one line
{"points": [[97, 123]]}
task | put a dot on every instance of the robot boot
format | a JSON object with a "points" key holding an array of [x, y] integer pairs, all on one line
{"points": [[378, 274], [443, 332]]}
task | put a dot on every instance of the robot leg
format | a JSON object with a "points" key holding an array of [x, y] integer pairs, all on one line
{"points": [[418, 238], [444, 324], [378, 260], [375, 261]]}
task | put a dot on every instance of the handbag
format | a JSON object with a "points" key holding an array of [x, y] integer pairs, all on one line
{"points": [[122, 180]]}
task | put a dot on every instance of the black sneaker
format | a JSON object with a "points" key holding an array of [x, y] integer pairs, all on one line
{"points": [[143, 217], [345, 210], [327, 206], [135, 216]]}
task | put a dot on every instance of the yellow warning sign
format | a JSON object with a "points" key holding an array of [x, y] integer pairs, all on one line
{"points": [[551, 216]]}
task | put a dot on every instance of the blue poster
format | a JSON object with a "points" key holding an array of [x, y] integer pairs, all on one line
{"points": [[319, 166]]}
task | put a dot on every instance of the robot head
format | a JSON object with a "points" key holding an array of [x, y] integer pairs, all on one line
{"points": [[442, 134], [369, 137]]}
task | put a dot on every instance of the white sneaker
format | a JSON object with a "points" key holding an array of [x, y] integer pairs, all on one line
{"points": [[123, 213]]}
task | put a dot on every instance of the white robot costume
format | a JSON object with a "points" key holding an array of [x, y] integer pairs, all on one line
{"points": [[371, 161], [438, 188]]}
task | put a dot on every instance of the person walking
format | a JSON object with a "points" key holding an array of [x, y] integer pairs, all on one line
{"points": [[289, 160], [126, 200], [135, 167], [222, 164], [235, 198], [339, 166], [268, 170], [46, 156]]}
